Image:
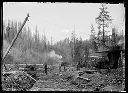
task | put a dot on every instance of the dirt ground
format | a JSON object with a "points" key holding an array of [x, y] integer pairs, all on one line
{"points": [[113, 81], [69, 80]]}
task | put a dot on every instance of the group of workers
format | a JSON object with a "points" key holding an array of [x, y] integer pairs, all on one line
{"points": [[60, 68]]}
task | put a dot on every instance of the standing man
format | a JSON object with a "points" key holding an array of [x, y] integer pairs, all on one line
{"points": [[60, 67], [45, 68]]}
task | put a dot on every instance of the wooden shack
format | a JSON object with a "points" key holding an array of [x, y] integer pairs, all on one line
{"points": [[114, 56]]}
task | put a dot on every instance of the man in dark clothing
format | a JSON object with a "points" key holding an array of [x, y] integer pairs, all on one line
{"points": [[45, 68]]}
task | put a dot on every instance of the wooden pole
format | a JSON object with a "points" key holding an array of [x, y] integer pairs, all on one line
{"points": [[12, 43]]}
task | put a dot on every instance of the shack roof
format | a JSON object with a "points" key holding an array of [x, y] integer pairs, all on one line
{"points": [[112, 49]]}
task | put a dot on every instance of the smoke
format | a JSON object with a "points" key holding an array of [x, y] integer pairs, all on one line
{"points": [[121, 43], [52, 54]]}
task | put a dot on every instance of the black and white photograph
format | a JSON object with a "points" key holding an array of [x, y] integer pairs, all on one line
{"points": [[63, 46]]}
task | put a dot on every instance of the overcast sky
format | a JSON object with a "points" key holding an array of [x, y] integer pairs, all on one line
{"points": [[59, 19]]}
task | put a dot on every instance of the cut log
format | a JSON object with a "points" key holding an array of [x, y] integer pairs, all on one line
{"points": [[84, 78], [90, 71]]}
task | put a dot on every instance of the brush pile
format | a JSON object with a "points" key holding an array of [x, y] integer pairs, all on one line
{"points": [[16, 81]]}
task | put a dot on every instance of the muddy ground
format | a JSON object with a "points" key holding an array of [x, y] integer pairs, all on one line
{"points": [[72, 80]]}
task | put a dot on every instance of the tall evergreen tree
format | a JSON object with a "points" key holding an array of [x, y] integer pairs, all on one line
{"points": [[103, 21]]}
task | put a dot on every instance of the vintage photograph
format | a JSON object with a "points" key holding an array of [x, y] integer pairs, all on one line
{"points": [[63, 46]]}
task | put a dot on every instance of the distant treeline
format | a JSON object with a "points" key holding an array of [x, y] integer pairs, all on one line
{"points": [[36, 45], [32, 48], [25, 40]]}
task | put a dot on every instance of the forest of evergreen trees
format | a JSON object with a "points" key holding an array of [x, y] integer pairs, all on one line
{"points": [[73, 51]]}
